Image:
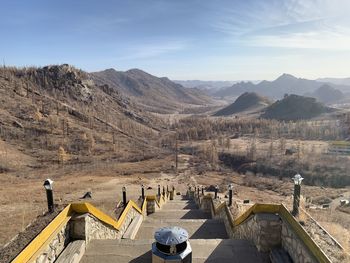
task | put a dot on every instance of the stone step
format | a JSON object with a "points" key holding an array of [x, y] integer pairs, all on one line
{"points": [[279, 255], [197, 229], [204, 250], [180, 214], [134, 227], [73, 253], [179, 205]]}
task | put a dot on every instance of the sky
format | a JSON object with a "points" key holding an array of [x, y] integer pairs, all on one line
{"points": [[181, 39]]}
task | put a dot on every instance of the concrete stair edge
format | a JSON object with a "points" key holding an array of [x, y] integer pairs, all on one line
{"points": [[133, 228], [73, 253]]}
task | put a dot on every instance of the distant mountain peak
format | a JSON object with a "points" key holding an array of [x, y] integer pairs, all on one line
{"points": [[137, 71], [286, 76]]}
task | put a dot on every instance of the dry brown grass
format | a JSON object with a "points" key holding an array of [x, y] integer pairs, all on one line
{"points": [[23, 198]]}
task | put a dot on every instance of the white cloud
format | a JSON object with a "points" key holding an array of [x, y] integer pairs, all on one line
{"points": [[317, 24], [324, 40]]}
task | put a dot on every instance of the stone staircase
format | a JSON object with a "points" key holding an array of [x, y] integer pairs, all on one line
{"points": [[208, 238]]}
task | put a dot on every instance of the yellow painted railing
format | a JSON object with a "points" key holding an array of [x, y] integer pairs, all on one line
{"points": [[301, 233], [283, 213], [39, 241], [47, 234]]}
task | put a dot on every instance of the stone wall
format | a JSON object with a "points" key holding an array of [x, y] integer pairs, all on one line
{"points": [[129, 217], [205, 204], [263, 229], [151, 206], [226, 218], [55, 247], [294, 246], [87, 227]]}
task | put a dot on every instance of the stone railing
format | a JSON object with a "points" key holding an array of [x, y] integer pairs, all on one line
{"points": [[268, 226], [83, 221]]}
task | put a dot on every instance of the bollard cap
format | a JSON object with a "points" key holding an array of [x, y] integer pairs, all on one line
{"points": [[297, 179], [48, 184], [171, 235]]}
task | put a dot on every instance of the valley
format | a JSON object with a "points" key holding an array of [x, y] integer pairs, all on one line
{"points": [[97, 132]]}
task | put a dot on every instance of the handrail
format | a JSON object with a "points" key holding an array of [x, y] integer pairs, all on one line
{"points": [[155, 198], [144, 205], [37, 243], [302, 234], [283, 213], [65, 215]]}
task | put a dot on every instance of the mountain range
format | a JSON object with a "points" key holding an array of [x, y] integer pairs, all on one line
{"points": [[208, 85], [285, 84], [154, 94]]}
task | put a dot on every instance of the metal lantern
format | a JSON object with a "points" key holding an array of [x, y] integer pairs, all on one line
{"points": [[171, 245]]}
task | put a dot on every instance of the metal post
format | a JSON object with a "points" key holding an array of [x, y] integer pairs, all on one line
{"points": [[176, 154], [230, 195], [143, 192], [49, 194], [159, 190], [124, 195], [296, 200], [216, 192], [50, 205]]}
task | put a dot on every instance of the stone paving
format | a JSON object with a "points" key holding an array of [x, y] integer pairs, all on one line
{"points": [[208, 239]]}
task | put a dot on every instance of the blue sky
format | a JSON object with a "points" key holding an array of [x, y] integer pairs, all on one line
{"points": [[182, 39]]}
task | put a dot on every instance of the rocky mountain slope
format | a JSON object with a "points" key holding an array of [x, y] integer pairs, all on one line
{"points": [[153, 93], [248, 101], [285, 84], [295, 107], [58, 115]]}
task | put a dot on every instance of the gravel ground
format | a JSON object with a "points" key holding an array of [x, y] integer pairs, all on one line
{"points": [[329, 246]]}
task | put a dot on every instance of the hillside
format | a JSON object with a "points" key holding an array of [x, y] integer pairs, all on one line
{"points": [[294, 107], [209, 86], [153, 93], [58, 115], [285, 84], [247, 101], [336, 81], [327, 94]]}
